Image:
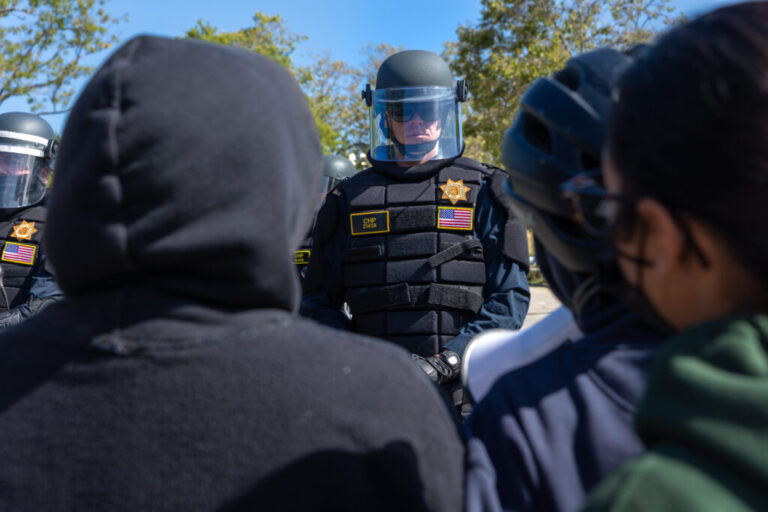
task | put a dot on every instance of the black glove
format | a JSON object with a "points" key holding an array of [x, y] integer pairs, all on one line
{"points": [[441, 368], [36, 305], [10, 318]]}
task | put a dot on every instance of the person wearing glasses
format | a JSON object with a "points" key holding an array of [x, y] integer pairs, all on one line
{"points": [[560, 418], [422, 245], [686, 176], [27, 149]]}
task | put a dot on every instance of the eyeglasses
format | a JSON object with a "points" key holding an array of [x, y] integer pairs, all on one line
{"points": [[591, 206], [596, 211], [428, 111]]}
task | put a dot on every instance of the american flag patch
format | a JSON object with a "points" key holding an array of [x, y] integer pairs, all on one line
{"points": [[454, 218], [19, 253]]}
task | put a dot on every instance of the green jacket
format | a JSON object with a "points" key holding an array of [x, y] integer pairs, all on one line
{"points": [[704, 419]]}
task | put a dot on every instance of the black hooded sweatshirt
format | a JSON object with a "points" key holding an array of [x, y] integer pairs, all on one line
{"points": [[176, 374]]}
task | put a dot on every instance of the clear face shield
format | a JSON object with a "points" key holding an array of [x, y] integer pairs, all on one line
{"points": [[327, 184], [415, 124], [24, 176]]}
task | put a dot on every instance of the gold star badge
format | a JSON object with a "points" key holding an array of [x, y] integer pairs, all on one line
{"points": [[455, 191], [24, 231]]}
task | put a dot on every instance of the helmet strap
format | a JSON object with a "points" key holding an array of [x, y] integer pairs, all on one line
{"points": [[414, 151]]}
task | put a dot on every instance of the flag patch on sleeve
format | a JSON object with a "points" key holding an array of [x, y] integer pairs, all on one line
{"points": [[454, 218], [19, 253]]}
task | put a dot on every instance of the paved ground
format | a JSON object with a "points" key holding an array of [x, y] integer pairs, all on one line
{"points": [[543, 302]]}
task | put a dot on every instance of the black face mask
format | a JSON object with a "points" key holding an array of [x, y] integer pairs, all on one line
{"points": [[612, 281], [575, 290]]}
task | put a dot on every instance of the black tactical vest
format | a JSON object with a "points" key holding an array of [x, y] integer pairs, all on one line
{"points": [[413, 270], [20, 254]]}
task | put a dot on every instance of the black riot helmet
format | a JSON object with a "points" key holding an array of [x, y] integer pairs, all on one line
{"points": [[558, 136], [27, 149], [415, 110], [335, 170]]}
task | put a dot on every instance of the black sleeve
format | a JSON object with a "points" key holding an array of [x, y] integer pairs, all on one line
{"points": [[323, 292], [515, 239]]}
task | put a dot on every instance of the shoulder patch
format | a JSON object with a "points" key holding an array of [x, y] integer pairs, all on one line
{"points": [[455, 191], [19, 253], [368, 223], [24, 231], [454, 218]]}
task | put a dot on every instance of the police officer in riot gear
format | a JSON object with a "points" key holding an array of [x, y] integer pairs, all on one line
{"points": [[422, 245], [335, 170], [27, 149]]}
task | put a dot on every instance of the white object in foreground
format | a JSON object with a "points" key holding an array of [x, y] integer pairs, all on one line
{"points": [[495, 352]]}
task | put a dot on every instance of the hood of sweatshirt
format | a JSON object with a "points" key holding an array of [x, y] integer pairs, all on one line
{"points": [[708, 393], [189, 168]]}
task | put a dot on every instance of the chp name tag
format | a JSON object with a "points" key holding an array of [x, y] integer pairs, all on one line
{"points": [[367, 223], [301, 257]]}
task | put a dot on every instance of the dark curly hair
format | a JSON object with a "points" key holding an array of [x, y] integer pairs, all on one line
{"points": [[689, 127]]}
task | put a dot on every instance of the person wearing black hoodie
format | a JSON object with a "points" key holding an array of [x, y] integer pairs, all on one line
{"points": [[548, 431], [176, 374]]}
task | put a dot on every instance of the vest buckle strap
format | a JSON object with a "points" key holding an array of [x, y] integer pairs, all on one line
{"points": [[454, 297], [399, 295], [356, 254], [379, 299], [453, 251]]}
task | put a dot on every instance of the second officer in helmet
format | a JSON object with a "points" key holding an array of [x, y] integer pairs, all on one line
{"points": [[27, 150], [335, 170], [421, 245]]}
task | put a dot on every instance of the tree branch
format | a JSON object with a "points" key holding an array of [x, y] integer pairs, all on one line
{"points": [[54, 112]]}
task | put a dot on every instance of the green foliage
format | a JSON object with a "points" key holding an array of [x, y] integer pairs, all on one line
{"points": [[269, 37], [336, 86], [42, 44], [328, 81], [517, 41], [332, 87]]}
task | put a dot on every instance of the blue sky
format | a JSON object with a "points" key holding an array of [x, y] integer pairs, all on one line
{"points": [[341, 27]]}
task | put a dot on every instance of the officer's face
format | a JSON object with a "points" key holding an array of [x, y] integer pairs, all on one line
{"points": [[415, 130]]}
